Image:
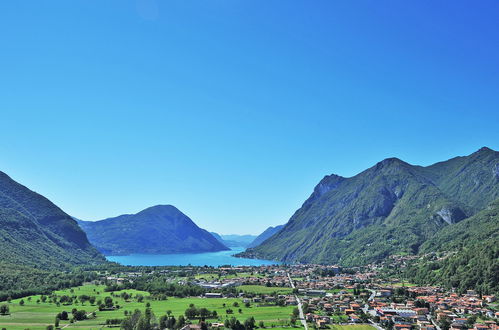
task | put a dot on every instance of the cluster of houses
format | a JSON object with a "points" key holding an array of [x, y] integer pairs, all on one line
{"points": [[332, 297]]}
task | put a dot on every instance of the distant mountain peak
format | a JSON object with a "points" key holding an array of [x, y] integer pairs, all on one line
{"points": [[161, 208], [156, 230], [484, 151], [391, 161]]}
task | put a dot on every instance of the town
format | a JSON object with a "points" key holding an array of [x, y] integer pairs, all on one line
{"points": [[278, 297]]}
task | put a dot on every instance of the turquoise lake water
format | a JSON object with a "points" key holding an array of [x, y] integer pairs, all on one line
{"points": [[214, 259]]}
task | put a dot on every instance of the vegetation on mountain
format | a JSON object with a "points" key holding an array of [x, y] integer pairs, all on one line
{"points": [[159, 229], [34, 232], [391, 208], [463, 256], [267, 233], [234, 240]]}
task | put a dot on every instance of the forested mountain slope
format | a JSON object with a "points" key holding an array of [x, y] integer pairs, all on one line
{"points": [[155, 230], [35, 232], [392, 207], [463, 256]]}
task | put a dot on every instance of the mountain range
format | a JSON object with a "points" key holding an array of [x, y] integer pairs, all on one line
{"points": [[391, 208], [269, 232], [234, 240], [160, 229], [36, 233]]}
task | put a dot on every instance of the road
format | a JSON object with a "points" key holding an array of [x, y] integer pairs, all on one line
{"points": [[300, 306]]}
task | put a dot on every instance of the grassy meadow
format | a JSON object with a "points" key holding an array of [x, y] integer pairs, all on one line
{"points": [[37, 315]]}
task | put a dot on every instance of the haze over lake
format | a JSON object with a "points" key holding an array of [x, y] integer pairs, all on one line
{"points": [[214, 259]]}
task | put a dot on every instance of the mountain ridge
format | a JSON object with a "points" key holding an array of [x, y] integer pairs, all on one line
{"points": [[391, 207], [37, 233], [159, 229]]}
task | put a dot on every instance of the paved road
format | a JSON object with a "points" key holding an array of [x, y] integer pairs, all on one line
{"points": [[300, 306]]}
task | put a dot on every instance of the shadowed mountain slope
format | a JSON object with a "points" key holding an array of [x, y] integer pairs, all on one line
{"points": [[159, 229]]}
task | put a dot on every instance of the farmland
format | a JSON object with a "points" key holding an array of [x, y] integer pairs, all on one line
{"points": [[35, 314]]}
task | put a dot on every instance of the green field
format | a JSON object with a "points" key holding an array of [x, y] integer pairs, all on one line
{"points": [[353, 327], [214, 276], [35, 315], [406, 284], [259, 289]]}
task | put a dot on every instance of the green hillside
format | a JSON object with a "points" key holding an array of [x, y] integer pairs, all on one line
{"points": [[391, 208], [463, 256], [35, 232]]}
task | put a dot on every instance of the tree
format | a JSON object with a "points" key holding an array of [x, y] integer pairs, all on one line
{"points": [[57, 321], [180, 322], [204, 312], [444, 323], [163, 322], [21, 302], [4, 309], [62, 315], [191, 312], [249, 323], [131, 322], [80, 315], [261, 324], [108, 301], [292, 320]]}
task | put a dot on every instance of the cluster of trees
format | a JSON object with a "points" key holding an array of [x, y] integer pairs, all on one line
{"points": [[140, 321], [159, 286], [169, 322], [235, 324], [194, 312], [4, 309], [21, 281]]}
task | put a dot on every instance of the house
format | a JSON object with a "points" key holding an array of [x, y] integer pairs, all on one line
{"points": [[321, 324], [213, 295], [354, 318], [402, 327]]}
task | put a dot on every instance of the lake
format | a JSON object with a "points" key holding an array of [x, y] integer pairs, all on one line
{"points": [[214, 259]]}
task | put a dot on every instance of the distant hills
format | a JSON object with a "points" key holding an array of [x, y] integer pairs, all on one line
{"points": [[234, 240], [269, 232], [160, 229], [246, 241], [391, 208], [36, 233]]}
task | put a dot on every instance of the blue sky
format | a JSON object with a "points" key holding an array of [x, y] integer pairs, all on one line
{"points": [[233, 110]]}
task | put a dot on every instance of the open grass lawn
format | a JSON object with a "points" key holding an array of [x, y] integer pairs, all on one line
{"points": [[258, 289], [213, 276], [406, 284], [38, 315], [353, 327]]}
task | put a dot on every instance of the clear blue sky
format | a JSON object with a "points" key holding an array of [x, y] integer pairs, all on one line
{"points": [[233, 110]]}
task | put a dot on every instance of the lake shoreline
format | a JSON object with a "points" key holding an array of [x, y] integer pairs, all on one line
{"points": [[214, 259]]}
